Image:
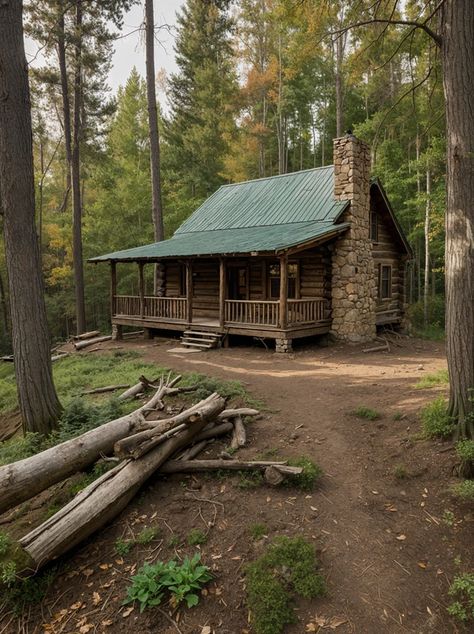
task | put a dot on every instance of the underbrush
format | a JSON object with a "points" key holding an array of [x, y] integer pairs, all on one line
{"points": [[462, 590], [434, 329], [436, 379], [464, 490], [287, 570], [435, 420], [78, 373]]}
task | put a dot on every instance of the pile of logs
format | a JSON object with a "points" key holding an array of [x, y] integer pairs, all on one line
{"points": [[140, 447]]}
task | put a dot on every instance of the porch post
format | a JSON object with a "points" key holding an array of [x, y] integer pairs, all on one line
{"points": [[189, 292], [283, 291], [141, 289], [222, 291], [113, 286]]}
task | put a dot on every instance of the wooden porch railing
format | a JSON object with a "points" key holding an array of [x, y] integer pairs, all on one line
{"points": [[153, 307], [165, 307], [306, 311], [260, 313]]}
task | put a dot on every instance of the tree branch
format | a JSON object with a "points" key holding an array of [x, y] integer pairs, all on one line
{"points": [[419, 25]]}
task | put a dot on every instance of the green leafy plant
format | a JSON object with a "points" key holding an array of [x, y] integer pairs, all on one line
{"points": [[462, 590], [123, 546], [435, 420], [8, 572], [308, 478], [182, 581], [464, 490], [5, 543], [196, 537], [366, 412], [148, 535], [465, 452], [249, 479], [286, 570], [448, 517]]}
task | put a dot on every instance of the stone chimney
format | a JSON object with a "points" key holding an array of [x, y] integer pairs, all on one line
{"points": [[354, 284]]}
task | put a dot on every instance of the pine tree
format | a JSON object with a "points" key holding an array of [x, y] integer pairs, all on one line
{"points": [[201, 95]]}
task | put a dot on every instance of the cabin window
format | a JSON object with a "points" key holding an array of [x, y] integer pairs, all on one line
{"points": [[385, 282], [274, 280], [374, 226]]}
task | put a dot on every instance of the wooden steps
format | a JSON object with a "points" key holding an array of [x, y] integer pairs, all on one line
{"points": [[200, 339]]}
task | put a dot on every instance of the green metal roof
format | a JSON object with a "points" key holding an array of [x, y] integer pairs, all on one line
{"points": [[267, 214]]}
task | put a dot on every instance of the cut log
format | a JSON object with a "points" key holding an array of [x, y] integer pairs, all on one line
{"points": [[22, 480], [194, 451], [215, 431], [80, 345], [56, 357], [273, 476], [86, 335], [228, 414], [139, 444], [384, 348], [102, 500], [134, 391], [106, 388], [194, 466], [239, 437]]}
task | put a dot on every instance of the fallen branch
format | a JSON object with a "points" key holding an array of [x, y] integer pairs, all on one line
{"points": [[102, 500], [384, 348], [80, 345], [239, 437], [21, 480], [137, 445], [107, 388], [86, 335], [194, 466]]}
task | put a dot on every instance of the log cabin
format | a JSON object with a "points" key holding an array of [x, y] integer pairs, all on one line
{"points": [[304, 254]]}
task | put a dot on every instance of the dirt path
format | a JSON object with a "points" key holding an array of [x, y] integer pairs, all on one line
{"points": [[377, 517]]}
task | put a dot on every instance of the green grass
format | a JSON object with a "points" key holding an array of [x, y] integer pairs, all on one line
{"points": [[435, 420], [366, 412], [148, 535], [436, 379], [400, 472], [196, 537], [257, 531], [287, 570], [307, 480], [432, 332], [465, 490]]}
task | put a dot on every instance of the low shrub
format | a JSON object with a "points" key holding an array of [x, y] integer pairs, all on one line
{"points": [[462, 590], [366, 412], [286, 570], [257, 531], [465, 490], [435, 420], [196, 537], [465, 452], [308, 479], [147, 535], [181, 581]]}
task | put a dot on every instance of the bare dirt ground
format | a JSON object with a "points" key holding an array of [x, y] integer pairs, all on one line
{"points": [[387, 547]]}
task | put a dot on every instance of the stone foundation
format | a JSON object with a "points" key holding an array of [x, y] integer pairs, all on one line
{"points": [[283, 345], [354, 289]]}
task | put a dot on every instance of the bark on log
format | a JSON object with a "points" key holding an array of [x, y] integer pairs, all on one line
{"points": [[139, 444], [80, 345], [228, 414], [102, 500], [194, 451], [239, 437], [384, 348], [214, 432], [86, 335], [22, 480]]}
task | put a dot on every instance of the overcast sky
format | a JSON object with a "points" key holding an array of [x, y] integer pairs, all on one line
{"points": [[130, 50]]}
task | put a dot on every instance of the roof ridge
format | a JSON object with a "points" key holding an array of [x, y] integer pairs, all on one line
{"points": [[273, 224], [265, 178]]}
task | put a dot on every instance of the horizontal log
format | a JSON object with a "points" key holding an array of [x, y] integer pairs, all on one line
{"points": [[86, 335], [106, 388], [194, 466], [80, 345]]}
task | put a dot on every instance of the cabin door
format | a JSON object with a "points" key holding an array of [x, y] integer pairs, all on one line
{"points": [[237, 282]]}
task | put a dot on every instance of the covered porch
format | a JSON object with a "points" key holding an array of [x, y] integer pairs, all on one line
{"points": [[279, 298]]}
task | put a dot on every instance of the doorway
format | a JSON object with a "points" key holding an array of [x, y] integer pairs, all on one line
{"points": [[237, 282]]}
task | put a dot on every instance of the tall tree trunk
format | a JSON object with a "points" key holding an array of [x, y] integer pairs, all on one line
{"points": [[65, 103], [339, 86], [457, 25], [4, 309], [39, 404], [156, 201], [76, 178], [426, 288]]}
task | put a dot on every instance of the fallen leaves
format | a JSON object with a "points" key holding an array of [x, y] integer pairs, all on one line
{"points": [[324, 622]]}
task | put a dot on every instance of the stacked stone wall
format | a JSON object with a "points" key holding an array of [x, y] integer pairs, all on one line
{"points": [[354, 289]]}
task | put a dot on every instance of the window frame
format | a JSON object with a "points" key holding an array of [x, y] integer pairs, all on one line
{"points": [[293, 293], [382, 281]]}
